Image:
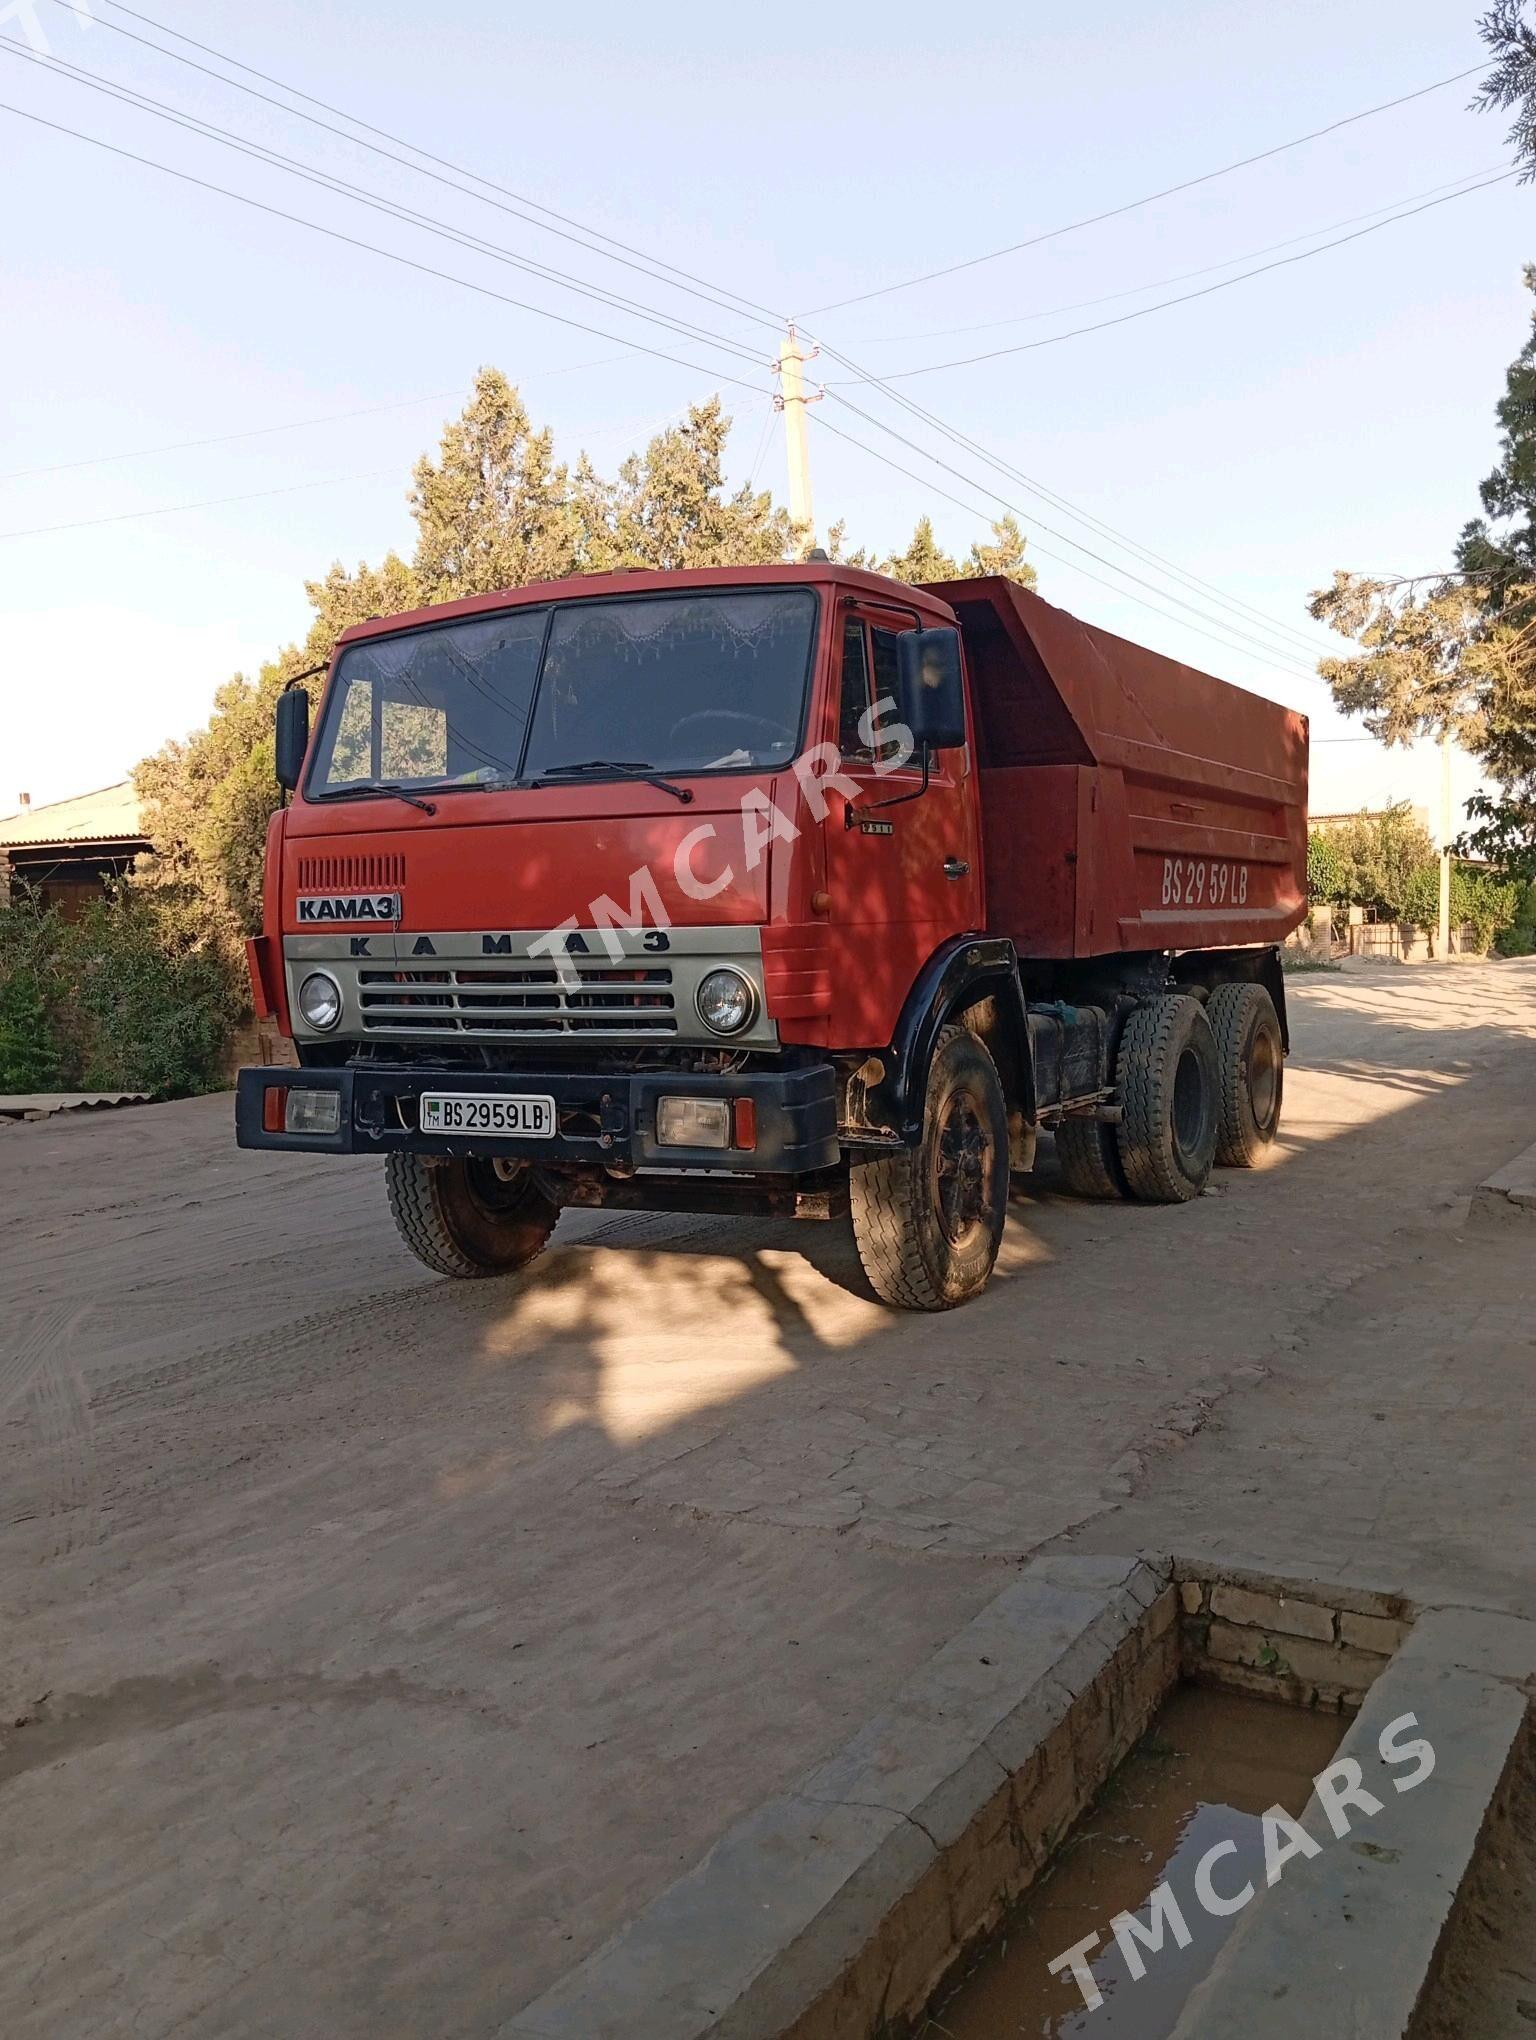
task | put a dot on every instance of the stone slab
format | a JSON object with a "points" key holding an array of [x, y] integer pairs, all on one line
{"points": [[770, 1919], [1345, 1944], [1510, 1191]]}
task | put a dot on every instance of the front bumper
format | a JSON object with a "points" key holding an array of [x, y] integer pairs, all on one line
{"points": [[602, 1118]]}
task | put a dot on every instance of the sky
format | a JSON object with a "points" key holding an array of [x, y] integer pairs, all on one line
{"points": [[1335, 412]]}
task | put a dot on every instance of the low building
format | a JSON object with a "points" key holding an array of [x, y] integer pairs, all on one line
{"points": [[63, 855]]}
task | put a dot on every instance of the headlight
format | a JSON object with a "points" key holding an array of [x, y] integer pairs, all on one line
{"points": [[726, 1001], [320, 1000]]}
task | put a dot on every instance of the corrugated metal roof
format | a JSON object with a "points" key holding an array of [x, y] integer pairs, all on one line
{"points": [[111, 814]]}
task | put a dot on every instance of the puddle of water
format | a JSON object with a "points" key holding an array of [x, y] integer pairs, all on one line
{"points": [[1210, 1766]]}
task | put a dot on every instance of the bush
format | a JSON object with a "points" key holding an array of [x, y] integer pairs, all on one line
{"points": [[1479, 901], [1325, 870], [132, 996]]}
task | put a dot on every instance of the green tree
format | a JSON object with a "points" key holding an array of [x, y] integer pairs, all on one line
{"points": [[1457, 653], [1375, 857], [925, 560], [495, 510], [668, 508], [1511, 37]]}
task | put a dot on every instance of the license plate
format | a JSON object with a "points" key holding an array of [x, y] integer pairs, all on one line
{"points": [[463, 1112]]}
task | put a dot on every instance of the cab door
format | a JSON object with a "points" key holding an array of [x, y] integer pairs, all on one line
{"points": [[903, 866]]}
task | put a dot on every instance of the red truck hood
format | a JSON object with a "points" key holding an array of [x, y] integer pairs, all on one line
{"points": [[531, 860]]}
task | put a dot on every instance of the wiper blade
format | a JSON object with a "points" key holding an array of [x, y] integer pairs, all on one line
{"points": [[635, 768], [375, 786]]}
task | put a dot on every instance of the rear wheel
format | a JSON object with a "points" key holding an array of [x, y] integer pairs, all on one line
{"points": [[1250, 1059], [1166, 1073], [470, 1217], [928, 1221], [1089, 1158]]}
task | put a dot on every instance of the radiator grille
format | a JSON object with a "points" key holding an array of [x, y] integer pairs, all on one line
{"points": [[373, 873], [528, 998]]}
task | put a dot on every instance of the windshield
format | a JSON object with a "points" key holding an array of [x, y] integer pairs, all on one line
{"points": [[669, 683]]}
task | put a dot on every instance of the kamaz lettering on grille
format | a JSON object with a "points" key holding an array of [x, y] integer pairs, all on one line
{"points": [[383, 906]]}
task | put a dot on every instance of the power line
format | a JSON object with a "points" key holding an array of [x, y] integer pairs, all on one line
{"points": [[1181, 276], [208, 503], [649, 265], [1044, 551], [1188, 297], [1243, 610], [1132, 205], [1275, 647], [223, 438], [265, 431], [255, 495], [327, 181], [372, 248]]}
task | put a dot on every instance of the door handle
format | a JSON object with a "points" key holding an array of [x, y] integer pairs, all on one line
{"points": [[956, 867]]}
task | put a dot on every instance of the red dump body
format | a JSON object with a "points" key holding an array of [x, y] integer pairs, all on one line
{"points": [[1127, 801]]}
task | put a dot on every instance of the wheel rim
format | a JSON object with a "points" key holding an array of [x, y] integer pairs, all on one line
{"points": [[1190, 1104], [962, 1168], [495, 1195], [1263, 1078]]}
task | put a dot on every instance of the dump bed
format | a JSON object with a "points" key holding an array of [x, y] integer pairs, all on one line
{"points": [[1127, 801]]}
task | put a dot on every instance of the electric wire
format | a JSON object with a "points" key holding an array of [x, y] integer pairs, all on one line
{"points": [[325, 180], [646, 264], [265, 431], [1207, 290], [372, 248], [1150, 198], [208, 503], [1044, 551], [712, 292], [1279, 655], [1293, 638], [1111, 297]]}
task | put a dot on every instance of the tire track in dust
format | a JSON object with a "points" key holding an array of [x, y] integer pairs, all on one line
{"points": [[44, 1364]]}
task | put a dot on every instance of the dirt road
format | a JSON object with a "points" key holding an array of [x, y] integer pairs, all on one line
{"points": [[379, 1643]]}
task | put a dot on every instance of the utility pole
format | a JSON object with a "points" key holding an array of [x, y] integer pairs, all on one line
{"points": [[792, 401], [1443, 939]]}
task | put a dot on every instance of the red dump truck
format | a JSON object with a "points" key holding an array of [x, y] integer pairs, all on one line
{"points": [[786, 890]]}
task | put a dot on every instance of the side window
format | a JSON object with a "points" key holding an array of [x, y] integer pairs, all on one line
{"points": [[886, 691], [854, 700]]}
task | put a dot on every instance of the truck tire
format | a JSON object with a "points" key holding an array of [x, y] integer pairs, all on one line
{"points": [[466, 1217], [928, 1221], [1169, 1086], [1250, 1058], [1089, 1158]]}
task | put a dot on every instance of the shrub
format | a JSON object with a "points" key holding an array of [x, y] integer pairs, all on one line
{"points": [[1479, 901], [1325, 870], [133, 996]]}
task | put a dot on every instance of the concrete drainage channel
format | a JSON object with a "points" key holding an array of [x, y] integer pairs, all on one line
{"points": [[844, 1908]]}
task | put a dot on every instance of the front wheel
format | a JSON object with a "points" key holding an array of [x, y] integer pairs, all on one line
{"points": [[471, 1217], [928, 1221]]}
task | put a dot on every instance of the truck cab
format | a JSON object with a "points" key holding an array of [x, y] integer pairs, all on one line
{"points": [[669, 890]]}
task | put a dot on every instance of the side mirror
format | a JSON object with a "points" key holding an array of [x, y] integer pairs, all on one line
{"points": [[932, 690], [292, 731]]}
